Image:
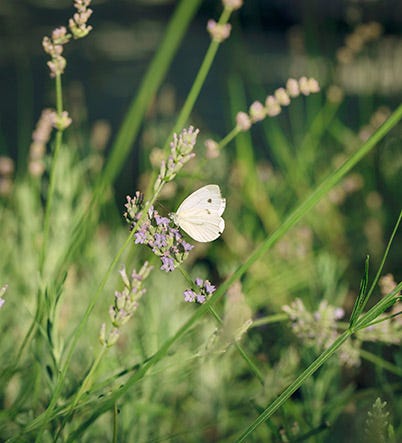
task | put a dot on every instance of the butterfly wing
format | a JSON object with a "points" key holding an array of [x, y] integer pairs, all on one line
{"points": [[200, 214], [208, 197]]}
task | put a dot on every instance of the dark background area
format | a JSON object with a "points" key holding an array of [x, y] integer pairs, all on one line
{"points": [[105, 68]]}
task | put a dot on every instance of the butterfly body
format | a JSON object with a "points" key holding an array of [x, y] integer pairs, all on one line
{"points": [[199, 215]]}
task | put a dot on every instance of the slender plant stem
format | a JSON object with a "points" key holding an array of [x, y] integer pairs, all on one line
{"points": [[115, 418], [52, 179], [275, 318], [380, 362], [229, 137], [199, 81], [381, 267], [46, 223], [152, 80]]}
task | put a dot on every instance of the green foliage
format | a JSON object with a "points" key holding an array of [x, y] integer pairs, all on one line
{"points": [[269, 355]]}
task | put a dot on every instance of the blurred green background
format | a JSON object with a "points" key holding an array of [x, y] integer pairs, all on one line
{"points": [[272, 40]]}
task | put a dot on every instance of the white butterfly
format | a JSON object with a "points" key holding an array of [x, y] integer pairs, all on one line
{"points": [[199, 215]]}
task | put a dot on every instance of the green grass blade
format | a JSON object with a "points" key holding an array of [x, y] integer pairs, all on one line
{"points": [[152, 80]]}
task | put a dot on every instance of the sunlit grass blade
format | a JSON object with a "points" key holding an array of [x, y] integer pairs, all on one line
{"points": [[152, 80], [361, 299], [364, 296]]}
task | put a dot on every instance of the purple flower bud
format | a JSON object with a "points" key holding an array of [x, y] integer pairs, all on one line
{"points": [[160, 240], [199, 282], [164, 221], [189, 295], [201, 298], [187, 246], [167, 264], [140, 237], [209, 289]]}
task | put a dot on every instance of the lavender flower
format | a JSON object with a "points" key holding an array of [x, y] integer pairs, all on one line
{"points": [[180, 153], [273, 103], [189, 295], [54, 45], [125, 303], [159, 233], [167, 264], [205, 289], [317, 329]]}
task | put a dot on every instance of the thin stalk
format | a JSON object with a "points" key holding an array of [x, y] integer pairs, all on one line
{"points": [[198, 82], [46, 222], [131, 125], [380, 362], [229, 137], [115, 427], [381, 267], [275, 318], [52, 179]]}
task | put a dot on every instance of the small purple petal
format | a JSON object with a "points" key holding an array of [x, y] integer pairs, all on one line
{"points": [[187, 246], [160, 240], [161, 220], [208, 287], [189, 295], [201, 298], [199, 282], [167, 264], [140, 237]]}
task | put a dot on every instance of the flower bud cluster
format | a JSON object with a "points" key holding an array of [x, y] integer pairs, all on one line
{"points": [[218, 32], [273, 103], [159, 233], [204, 290], [125, 303], [318, 329], [60, 121], [180, 153], [54, 45], [355, 42], [40, 138], [78, 24]]}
